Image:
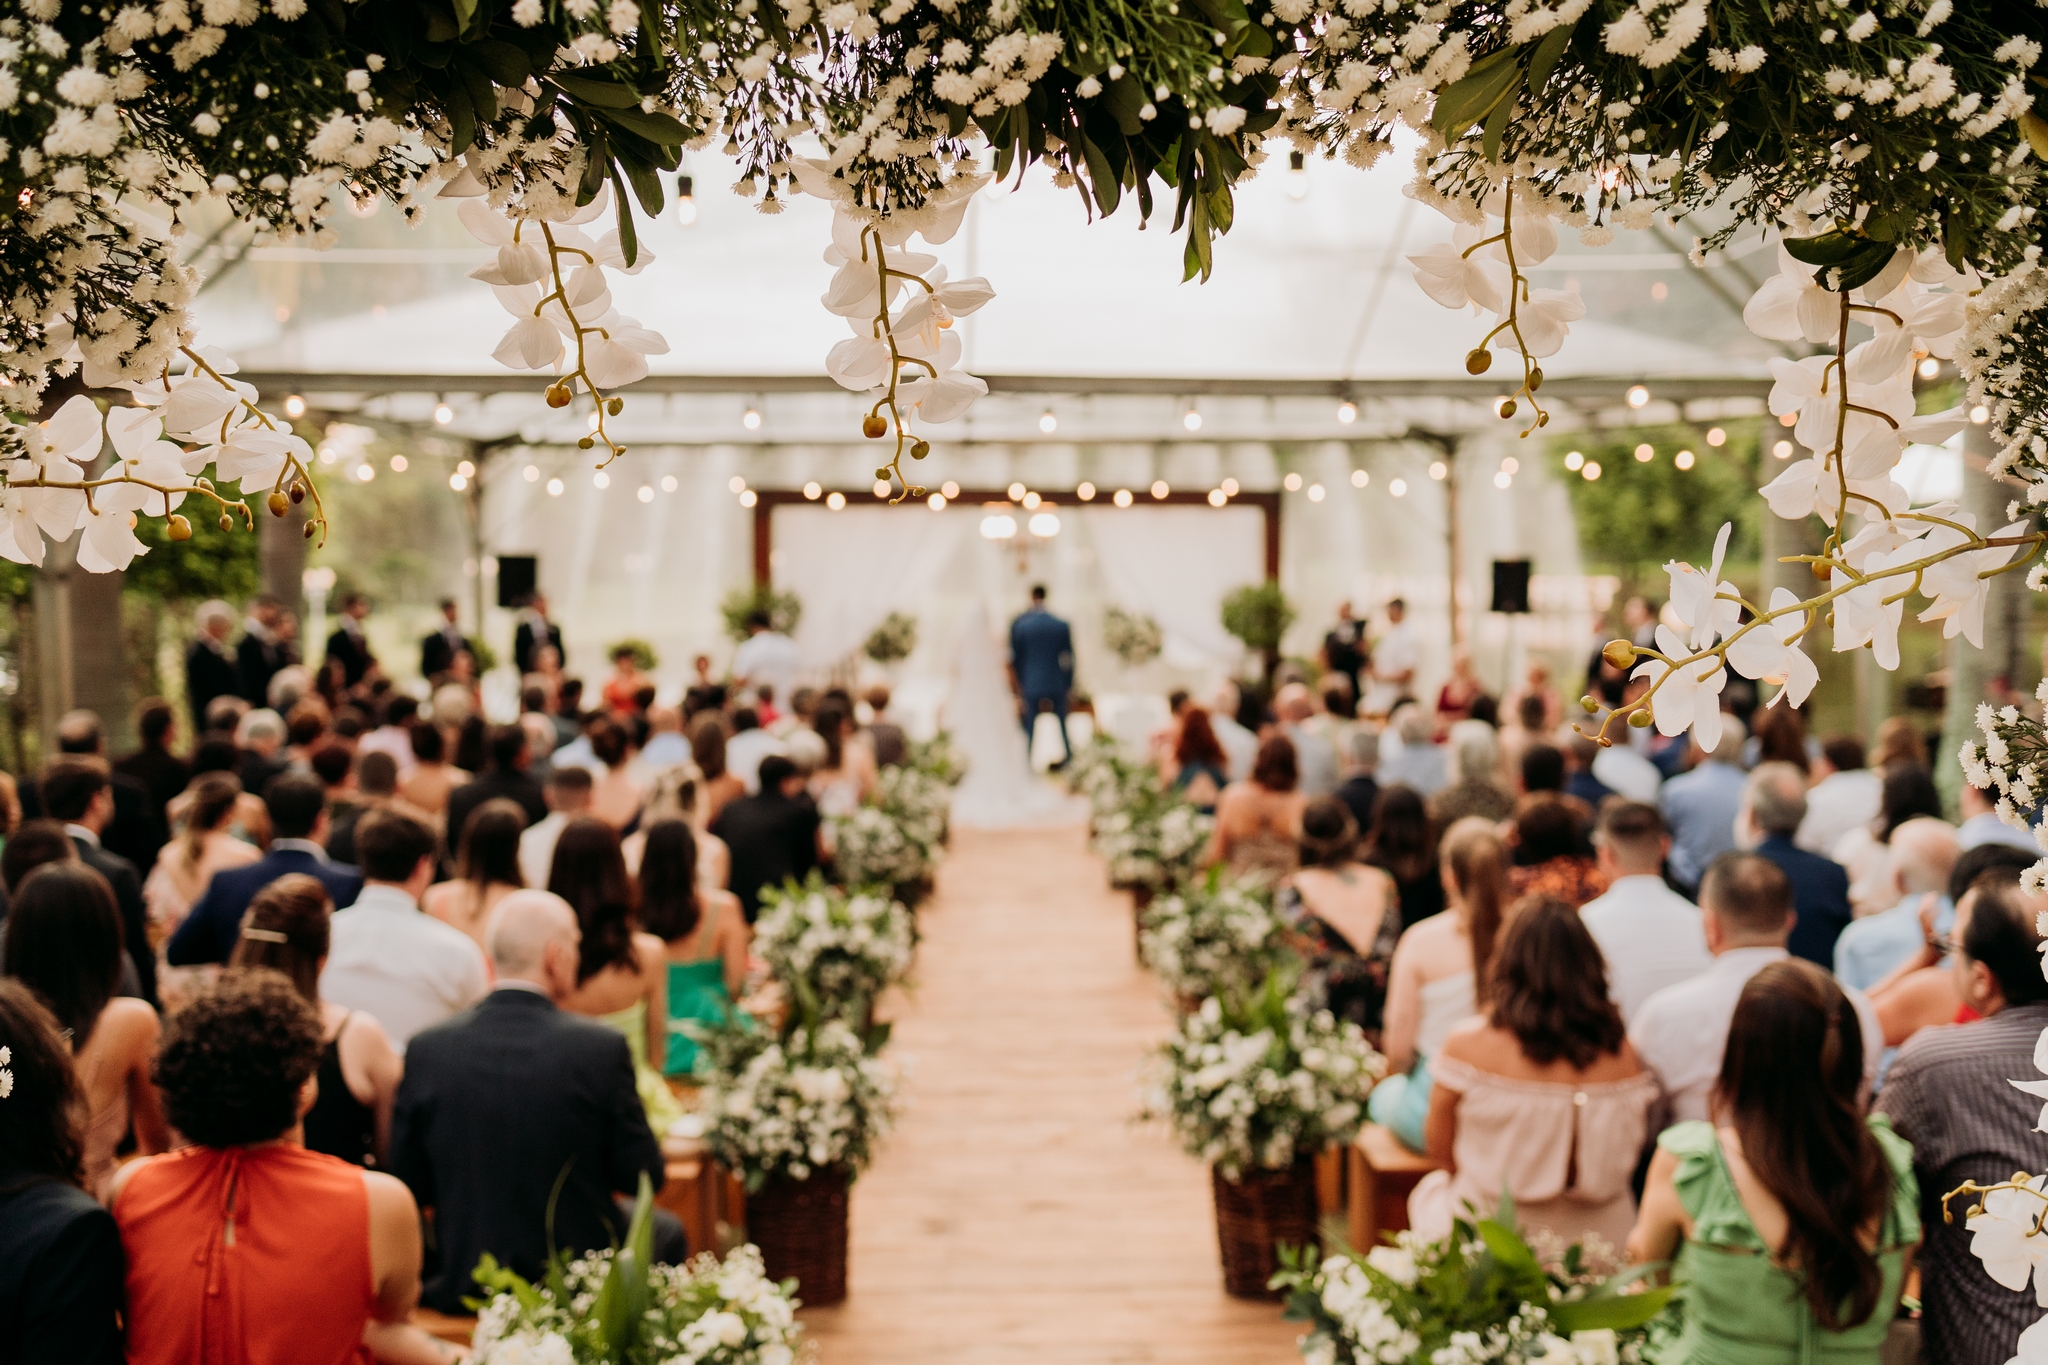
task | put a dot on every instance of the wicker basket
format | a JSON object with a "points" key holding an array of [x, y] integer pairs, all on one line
{"points": [[1257, 1213], [1141, 900], [800, 1226]]}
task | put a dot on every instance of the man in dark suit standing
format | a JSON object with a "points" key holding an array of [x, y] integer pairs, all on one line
{"points": [[438, 650], [533, 631], [348, 644], [1042, 664], [162, 773], [76, 789], [298, 819], [1773, 804], [518, 1123], [263, 650], [134, 832], [210, 667]]}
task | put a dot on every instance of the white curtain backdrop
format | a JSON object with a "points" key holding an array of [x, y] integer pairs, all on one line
{"points": [[1176, 565], [853, 567]]}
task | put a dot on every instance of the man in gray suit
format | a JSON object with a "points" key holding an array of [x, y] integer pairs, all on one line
{"points": [[1042, 664]]}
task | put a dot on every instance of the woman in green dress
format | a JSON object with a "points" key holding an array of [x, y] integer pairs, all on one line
{"points": [[1791, 1219], [704, 937]]}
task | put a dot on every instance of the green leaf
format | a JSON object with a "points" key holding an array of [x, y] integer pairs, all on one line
{"points": [[441, 27], [1497, 123], [663, 130], [483, 96], [1619, 1312], [1125, 97], [646, 187], [1833, 247], [507, 65], [1508, 1248], [1222, 209], [1467, 101], [629, 237], [1546, 57], [465, 12], [1100, 178], [1846, 259], [594, 167], [461, 118], [594, 92]]}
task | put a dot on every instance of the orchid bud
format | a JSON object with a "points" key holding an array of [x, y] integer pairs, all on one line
{"points": [[1619, 653], [227, 523], [1478, 360], [1589, 704], [874, 427], [178, 528], [1641, 719], [279, 504]]}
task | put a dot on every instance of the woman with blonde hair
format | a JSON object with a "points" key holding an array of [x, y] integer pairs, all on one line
{"points": [[1439, 975], [204, 847], [678, 794]]}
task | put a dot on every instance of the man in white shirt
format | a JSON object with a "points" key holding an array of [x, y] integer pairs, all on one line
{"points": [[567, 793], [1395, 656], [1847, 797], [405, 969], [748, 746], [1924, 853], [1681, 1031], [1650, 935], [767, 656], [1240, 746], [1315, 757]]}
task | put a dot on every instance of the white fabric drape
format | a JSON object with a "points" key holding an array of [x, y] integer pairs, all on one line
{"points": [[1176, 565], [853, 567]]}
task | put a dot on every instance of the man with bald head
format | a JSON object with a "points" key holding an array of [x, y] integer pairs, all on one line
{"points": [[1924, 853], [516, 1098], [1767, 818]]}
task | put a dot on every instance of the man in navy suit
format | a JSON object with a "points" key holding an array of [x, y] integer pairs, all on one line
{"points": [[298, 815], [1773, 804], [1042, 664]]}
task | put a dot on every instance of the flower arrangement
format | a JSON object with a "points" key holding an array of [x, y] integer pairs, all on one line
{"points": [[1133, 637], [920, 802], [1215, 934], [1259, 614], [937, 757], [870, 848], [1155, 842], [844, 949], [1254, 1080], [1477, 1297], [614, 1307], [784, 610], [811, 1099], [894, 640]]}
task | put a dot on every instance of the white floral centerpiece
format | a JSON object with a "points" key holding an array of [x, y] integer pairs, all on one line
{"points": [[920, 800], [617, 1307], [1155, 842], [812, 1100], [871, 848], [1133, 637], [1481, 1296], [939, 757], [845, 949], [1214, 934], [1257, 1081]]}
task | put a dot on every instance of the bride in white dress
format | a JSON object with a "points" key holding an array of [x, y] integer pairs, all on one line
{"points": [[1000, 791]]}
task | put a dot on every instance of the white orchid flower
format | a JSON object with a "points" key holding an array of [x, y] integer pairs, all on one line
{"points": [[1688, 696], [616, 355], [816, 178], [587, 293], [1959, 593], [1864, 617], [21, 539], [1934, 319], [945, 395], [522, 256], [532, 343], [612, 256], [108, 542], [2032, 1348], [942, 214], [929, 313], [1542, 319], [1791, 307], [856, 288], [255, 455], [2002, 1237], [1696, 597], [1808, 489], [196, 402], [859, 363], [1767, 653], [2038, 1089], [1453, 279]]}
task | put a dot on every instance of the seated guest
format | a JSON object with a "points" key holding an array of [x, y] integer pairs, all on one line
{"points": [[1542, 769], [1347, 917], [1540, 1096], [518, 1123], [1581, 752], [885, 736], [845, 776], [1847, 797], [1982, 825], [288, 930], [747, 745], [707, 748], [1908, 793], [1921, 992], [486, 868], [297, 809], [1790, 1217], [504, 774], [36, 842], [1650, 936], [1258, 821], [76, 790], [260, 737], [64, 943], [616, 794], [568, 793], [1746, 911], [773, 837], [1529, 726], [60, 1252], [1701, 806], [376, 788], [245, 1246], [1240, 745], [433, 778], [620, 980], [186, 865], [161, 773], [703, 933], [1415, 760], [1475, 758], [1550, 850], [1315, 756], [393, 735], [1197, 767], [215, 754], [1923, 854], [1949, 1094], [403, 968], [1772, 805], [1439, 974], [1401, 841], [1360, 789]]}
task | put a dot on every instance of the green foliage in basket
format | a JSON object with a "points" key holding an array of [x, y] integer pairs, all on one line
{"points": [[783, 608], [937, 757], [1259, 615], [894, 640], [1256, 1079], [846, 949], [1133, 637], [1151, 837], [1478, 1297], [617, 1307], [1215, 934], [794, 1103]]}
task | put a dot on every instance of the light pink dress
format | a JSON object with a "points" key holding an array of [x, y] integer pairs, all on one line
{"points": [[1564, 1151]]}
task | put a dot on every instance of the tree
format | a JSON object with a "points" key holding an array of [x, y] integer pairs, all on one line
{"points": [[1639, 514]]}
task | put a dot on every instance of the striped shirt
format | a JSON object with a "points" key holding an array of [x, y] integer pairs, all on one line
{"points": [[1948, 1095]]}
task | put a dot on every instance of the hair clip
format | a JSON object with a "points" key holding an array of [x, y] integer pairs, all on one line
{"points": [[265, 935]]}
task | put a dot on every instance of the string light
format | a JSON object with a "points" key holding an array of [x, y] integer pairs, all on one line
{"points": [[1229, 487], [399, 464], [1315, 492], [1439, 471], [668, 483], [1292, 483], [531, 473], [813, 492], [950, 489], [1399, 488], [1591, 471], [882, 488], [1511, 465], [1716, 437], [1048, 423], [1645, 453], [295, 406], [1503, 479], [835, 501], [686, 201], [1086, 492], [1980, 414], [1347, 412], [1929, 368], [1191, 419], [1638, 395], [1045, 525], [1683, 459], [1016, 492], [466, 469], [1359, 478], [601, 479], [1122, 498], [1031, 501], [1216, 497], [749, 498], [1573, 460], [1782, 450], [555, 487], [736, 484], [937, 502], [443, 414], [751, 419], [457, 482], [645, 494], [366, 471], [1159, 488]]}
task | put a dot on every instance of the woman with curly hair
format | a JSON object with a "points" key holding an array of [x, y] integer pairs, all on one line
{"points": [[225, 1237]]}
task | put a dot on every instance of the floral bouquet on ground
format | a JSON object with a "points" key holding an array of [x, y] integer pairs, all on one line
{"points": [[845, 949], [870, 848], [812, 1099], [938, 757], [616, 1307], [1256, 1081], [921, 803], [1156, 841], [1215, 934], [1479, 1297]]}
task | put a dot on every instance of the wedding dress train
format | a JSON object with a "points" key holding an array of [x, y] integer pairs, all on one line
{"points": [[1000, 791]]}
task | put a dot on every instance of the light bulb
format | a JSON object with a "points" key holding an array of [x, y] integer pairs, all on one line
{"points": [[295, 406], [399, 464], [668, 483], [950, 489], [1229, 487], [937, 502], [1122, 498], [1347, 412], [1315, 492], [1645, 453], [835, 501], [1044, 525], [1031, 501], [751, 419], [1782, 450], [555, 487], [1192, 420], [1359, 478], [1016, 492], [1683, 459], [1086, 492], [1573, 460], [1503, 479], [1217, 498], [1297, 176], [603, 480], [1511, 465], [366, 471], [1591, 471], [1439, 471], [457, 482], [1929, 368], [645, 494], [1399, 488], [882, 488], [749, 498], [1638, 395], [443, 414], [735, 484], [1048, 423], [466, 469], [1292, 483], [1980, 414], [1716, 437], [812, 491], [1159, 489], [531, 473], [686, 202]]}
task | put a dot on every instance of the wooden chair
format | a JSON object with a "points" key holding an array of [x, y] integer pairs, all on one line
{"points": [[1382, 1173]]}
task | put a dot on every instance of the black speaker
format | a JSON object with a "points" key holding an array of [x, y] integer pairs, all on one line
{"points": [[518, 579], [1510, 585]]}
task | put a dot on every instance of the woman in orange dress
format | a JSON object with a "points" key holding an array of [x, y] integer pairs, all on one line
{"points": [[245, 1248]]}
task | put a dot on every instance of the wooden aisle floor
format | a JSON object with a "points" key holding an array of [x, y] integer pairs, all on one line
{"points": [[1018, 1213]]}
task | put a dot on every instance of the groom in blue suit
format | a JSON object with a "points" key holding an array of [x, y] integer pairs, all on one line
{"points": [[1042, 664]]}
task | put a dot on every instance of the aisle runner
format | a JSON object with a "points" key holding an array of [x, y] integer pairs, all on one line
{"points": [[1017, 1215]]}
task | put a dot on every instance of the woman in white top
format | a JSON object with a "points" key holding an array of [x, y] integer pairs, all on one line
{"points": [[847, 775], [204, 847], [678, 794], [1439, 973]]}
